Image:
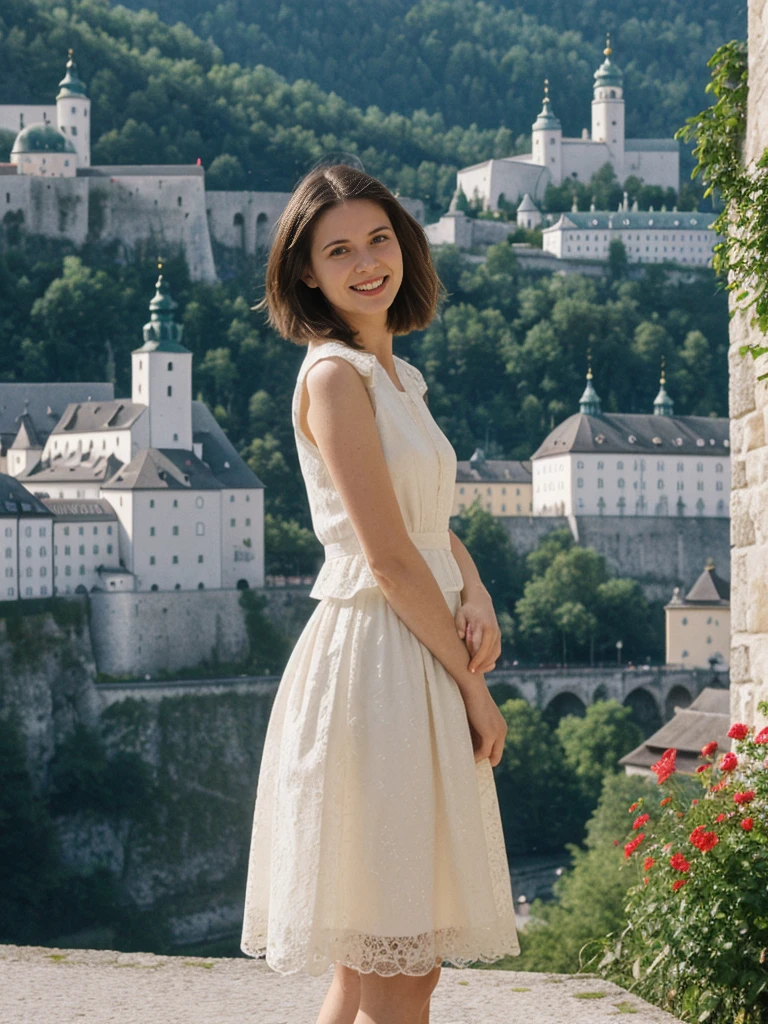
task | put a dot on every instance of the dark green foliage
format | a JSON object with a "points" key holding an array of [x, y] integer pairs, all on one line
{"points": [[590, 898], [269, 649], [593, 744]]}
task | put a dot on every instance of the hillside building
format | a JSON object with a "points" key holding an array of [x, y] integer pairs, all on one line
{"points": [[698, 626], [633, 464], [148, 492], [51, 188], [502, 486], [555, 158]]}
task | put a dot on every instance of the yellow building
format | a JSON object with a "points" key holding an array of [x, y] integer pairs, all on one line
{"points": [[503, 486], [699, 624]]}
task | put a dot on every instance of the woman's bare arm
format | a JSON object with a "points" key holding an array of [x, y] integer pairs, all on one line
{"points": [[342, 422], [472, 582]]}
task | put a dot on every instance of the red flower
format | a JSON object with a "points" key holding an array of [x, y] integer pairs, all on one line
{"points": [[718, 786], [679, 863], [615, 842], [646, 880], [665, 801], [666, 847], [634, 807], [728, 762], [702, 839], [738, 731], [702, 768], [665, 766], [694, 802], [648, 863], [747, 824], [679, 884], [719, 818], [641, 820], [632, 845], [709, 749], [762, 736], [745, 797]]}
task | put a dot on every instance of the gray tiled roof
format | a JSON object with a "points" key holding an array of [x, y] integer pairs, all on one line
{"points": [[494, 470], [707, 718], [68, 510], [28, 436], [81, 417], [709, 588], [651, 146], [72, 468], [595, 220], [44, 404], [219, 452], [164, 469], [16, 500], [612, 433]]}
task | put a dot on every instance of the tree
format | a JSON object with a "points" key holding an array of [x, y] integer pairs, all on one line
{"points": [[617, 260], [590, 897], [226, 173], [498, 563], [593, 744]]}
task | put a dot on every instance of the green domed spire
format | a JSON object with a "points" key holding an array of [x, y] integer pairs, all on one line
{"points": [[662, 404], [608, 74], [41, 138], [589, 403], [71, 85], [546, 119], [162, 333]]}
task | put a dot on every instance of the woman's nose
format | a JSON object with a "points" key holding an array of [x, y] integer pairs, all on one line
{"points": [[365, 261]]}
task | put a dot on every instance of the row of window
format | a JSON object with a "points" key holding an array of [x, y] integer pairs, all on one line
{"points": [[174, 560], [28, 591], [659, 484], [489, 507], [42, 531], [461, 491], [199, 528], [81, 531], [659, 466]]}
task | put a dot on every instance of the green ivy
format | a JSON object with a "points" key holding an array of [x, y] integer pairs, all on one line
{"points": [[741, 258]]}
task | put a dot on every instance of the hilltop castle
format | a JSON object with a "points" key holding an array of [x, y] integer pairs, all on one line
{"points": [[553, 158], [51, 188]]}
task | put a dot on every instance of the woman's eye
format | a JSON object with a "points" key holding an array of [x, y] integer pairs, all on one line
{"points": [[338, 249], [384, 238]]}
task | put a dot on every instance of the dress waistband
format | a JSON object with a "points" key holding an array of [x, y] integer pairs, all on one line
{"points": [[351, 545]]}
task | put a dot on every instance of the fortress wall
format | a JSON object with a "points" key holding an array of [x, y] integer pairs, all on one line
{"points": [[749, 450], [166, 208], [55, 207], [256, 214], [660, 553]]}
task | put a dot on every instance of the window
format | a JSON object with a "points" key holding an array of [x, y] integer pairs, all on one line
{"points": [[151, 502], [199, 500], [9, 552], [231, 497], [95, 531], [175, 559], [199, 558], [8, 531], [27, 531], [95, 549], [67, 570], [580, 481], [680, 467], [109, 530], [200, 529], [43, 571], [175, 502], [175, 531], [699, 467], [170, 366], [67, 549], [619, 465], [699, 485], [80, 529], [599, 465], [151, 531], [248, 521], [719, 467], [81, 549], [11, 592], [81, 570], [42, 531], [43, 552], [231, 522], [660, 467], [170, 390], [66, 531], [579, 465], [599, 482], [660, 485], [151, 559], [29, 571], [9, 574], [719, 485], [28, 552], [620, 481]]}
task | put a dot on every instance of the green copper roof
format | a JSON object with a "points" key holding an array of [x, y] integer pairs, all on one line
{"points": [[589, 403], [71, 84], [162, 333], [662, 403], [42, 138], [608, 73], [546, 118]]}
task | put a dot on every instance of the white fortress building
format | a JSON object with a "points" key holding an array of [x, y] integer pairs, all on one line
{"points": [[554, 158], [50, 187], [640, 464], [143, 494]]}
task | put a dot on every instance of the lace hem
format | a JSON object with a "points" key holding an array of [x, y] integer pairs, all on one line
{"points": [[387, 956], [344, 576]]}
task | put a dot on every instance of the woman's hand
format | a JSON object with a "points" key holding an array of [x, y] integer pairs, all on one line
{"points": [[477, 626], [487, 726]]}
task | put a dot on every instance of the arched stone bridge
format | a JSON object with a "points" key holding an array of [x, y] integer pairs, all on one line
{"points": [[653, 693]]}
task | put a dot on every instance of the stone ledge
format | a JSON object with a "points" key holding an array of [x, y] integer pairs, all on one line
{"points": [[77, 986]]}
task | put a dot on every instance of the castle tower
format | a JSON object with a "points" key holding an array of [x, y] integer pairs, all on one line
{"points": [[547, 139], [608, 109], [73, 112], [589, 403], [162, 375], [662, 403]]}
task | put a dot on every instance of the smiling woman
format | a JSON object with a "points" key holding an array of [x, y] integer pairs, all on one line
{"points": [[377, 843]]}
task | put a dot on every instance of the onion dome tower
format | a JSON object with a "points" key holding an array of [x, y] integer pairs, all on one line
{"points": [[589, 403], [662, 403], [608, 108], [547, 139], [73, 112]]}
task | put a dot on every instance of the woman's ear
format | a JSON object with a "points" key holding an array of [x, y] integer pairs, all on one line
{"points": [[308, 279]]}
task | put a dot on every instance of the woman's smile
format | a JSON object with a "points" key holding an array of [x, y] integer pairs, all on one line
{"points": [[374, 286]]}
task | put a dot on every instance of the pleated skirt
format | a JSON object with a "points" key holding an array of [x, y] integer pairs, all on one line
{"points": [[377, 840]]}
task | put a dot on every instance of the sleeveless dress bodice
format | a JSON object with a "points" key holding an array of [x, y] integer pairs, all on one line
{"points": [[422, 465]]}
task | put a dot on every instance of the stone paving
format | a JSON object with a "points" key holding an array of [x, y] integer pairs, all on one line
{"points": [[41, 985]]}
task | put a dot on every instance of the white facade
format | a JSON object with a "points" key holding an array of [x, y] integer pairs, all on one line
{"points": [[82, 548], [620, 484], [26, 545], [555, 158], [652, 237], [163, 382]]}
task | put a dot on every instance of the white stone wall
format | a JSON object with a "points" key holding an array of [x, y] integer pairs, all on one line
{"points": [[122, 443], [10, 559], [608, 120], [74, 120], [643, 245], [593, 477], [35, 548], [163, 380], [15, 116], [584, 157], [694, 635], [547, 150], [749, 427], [46, 165], [654, 166], [242, 537], [56, 208], [244, 220]]}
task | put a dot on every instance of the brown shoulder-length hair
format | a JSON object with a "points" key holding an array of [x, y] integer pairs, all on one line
{"points": [[300, 313]]}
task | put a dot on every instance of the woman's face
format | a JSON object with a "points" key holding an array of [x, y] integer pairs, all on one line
{"points": [[356, 260]]}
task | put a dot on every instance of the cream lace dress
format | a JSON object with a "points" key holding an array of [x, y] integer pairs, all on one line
{"points": [[377, 840]]}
